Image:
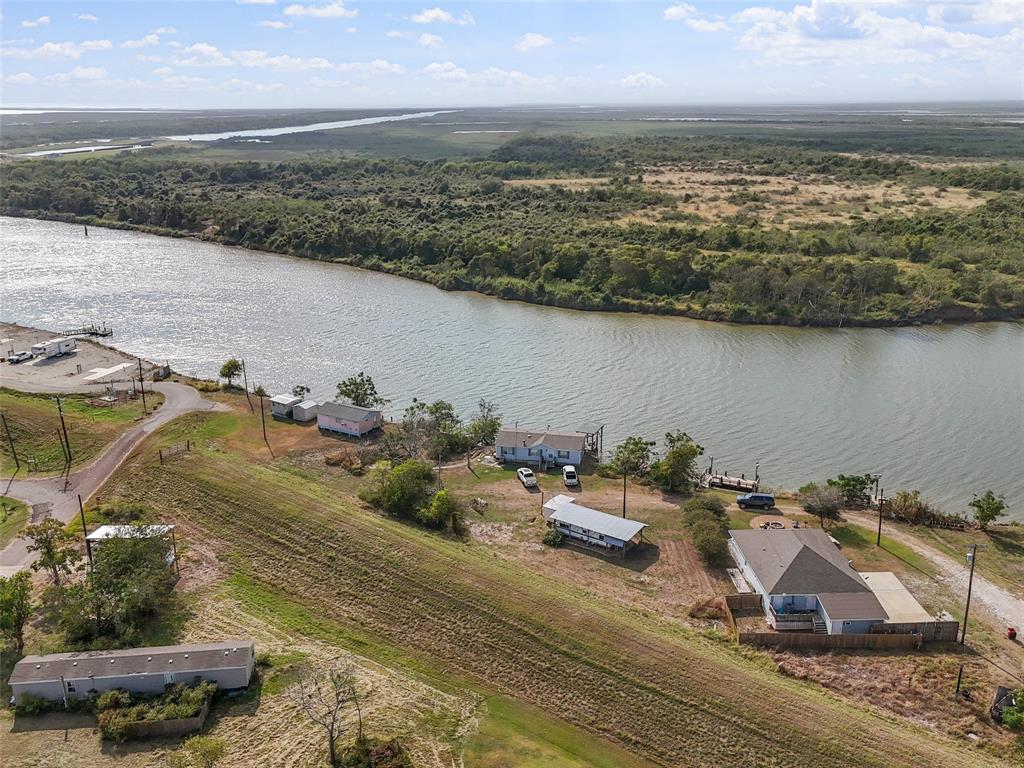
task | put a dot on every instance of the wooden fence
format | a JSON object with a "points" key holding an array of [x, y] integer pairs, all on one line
{"points": [[825, 642], [930, 631], [152, 729], [744, 602]]}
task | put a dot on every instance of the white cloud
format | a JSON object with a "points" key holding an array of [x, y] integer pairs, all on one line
{"points": [[202, 55], [143, 42], [79, 73], [22, 78], [693, 18], [913, 80], [394, 33], [440, 16], [857, 35], [255, 2], [578, 39], [679, 12], [274, 24], [163, 72], [446, 71], [351, 30], [147, 57], [335, 10], [429, 41], [42, 21], [67, 50], [996, 12], [375, 67], [532, 40], [282, 63], [642, 80], [85, 17], [164, 31]]}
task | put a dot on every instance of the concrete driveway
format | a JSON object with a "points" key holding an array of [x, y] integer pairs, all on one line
{"points": [[179, 399]]}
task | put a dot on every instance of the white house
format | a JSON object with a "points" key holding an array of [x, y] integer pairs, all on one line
{"points": [[348, 419], [523, 445], [805, 582], [281, 405], [106, 532], [598, 529]]}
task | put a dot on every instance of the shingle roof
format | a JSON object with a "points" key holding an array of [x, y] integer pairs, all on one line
{"points": [[532, 438], [798, 562], [597, 522], [194, 657], [346, 411], [852, 605]]}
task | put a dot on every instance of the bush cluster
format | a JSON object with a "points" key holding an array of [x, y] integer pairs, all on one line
{"points": [[118, 709]]}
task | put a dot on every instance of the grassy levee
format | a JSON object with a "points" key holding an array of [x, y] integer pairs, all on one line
{"points": [[452, 611]]}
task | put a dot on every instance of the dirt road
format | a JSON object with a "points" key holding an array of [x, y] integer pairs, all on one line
{"points": [[179, 399], [1007, 607]]}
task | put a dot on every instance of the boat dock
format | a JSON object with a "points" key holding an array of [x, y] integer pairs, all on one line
{"points": [[89, 330]]}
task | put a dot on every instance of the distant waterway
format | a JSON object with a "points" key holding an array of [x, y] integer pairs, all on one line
{"points": [[307, 128], [940, 409]]}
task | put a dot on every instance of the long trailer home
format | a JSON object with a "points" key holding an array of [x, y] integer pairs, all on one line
{"points": [[615, 534]]}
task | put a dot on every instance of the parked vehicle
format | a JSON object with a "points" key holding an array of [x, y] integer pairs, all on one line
{"points": [[18, 357], [526, 477], [53, 348], [762, 500], [569, 476]]}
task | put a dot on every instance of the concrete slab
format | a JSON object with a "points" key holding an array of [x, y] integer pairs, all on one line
{"points": [[895, 598]]}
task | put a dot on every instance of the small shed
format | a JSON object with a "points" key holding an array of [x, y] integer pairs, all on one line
{"points": [[281, 405], [63, 676], [305, 411], [104, 533], [348, 419]]}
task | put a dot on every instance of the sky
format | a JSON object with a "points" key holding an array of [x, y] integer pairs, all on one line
{"points": [[343, 53]]}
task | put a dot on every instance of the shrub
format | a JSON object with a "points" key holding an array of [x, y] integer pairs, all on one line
{"points": [[198, 752], [32, 705], [444, 511], [552, 537], [177, 701], [400, 490], [374, 753], [113, 699], [709, 541], [707, 502]]}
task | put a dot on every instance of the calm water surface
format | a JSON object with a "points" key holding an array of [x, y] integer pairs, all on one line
{"points": [[306, 128], [940, 409]]}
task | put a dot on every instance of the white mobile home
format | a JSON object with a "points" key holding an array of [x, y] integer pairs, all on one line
{"points": [[304, 411], [589, 526], [63, 676], [348, 419], [281, 405], [522, 445]]}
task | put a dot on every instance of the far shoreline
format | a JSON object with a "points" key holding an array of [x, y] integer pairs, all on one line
{"points": [[955, 316]]}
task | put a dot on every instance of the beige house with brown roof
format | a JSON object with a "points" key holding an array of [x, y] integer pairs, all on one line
{"points": [[541, 447]]}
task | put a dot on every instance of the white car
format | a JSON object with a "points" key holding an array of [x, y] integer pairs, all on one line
{"points": [[569, 476], [526, 477], [18, 357]]}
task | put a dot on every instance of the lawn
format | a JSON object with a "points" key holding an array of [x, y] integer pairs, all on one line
{"points": [[35, 427], [1000, 555], [13, 517], [318, 563]]}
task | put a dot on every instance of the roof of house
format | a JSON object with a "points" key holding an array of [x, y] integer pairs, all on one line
{"points": [[307, 404], [556, 501], [901, 606], [194, 657], [597, 522], [852, 605], [285, 399], [797, 562], [128, 531], [532, 438], [346, 411]]}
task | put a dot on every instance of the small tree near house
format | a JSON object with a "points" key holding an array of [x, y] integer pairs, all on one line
{"points": [[58, 554], [300, 390], [15, 608], [231, 370], [361, 391], [825, 501]]}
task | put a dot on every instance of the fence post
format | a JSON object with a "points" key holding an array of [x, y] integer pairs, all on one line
{"points": [[161, 452]]}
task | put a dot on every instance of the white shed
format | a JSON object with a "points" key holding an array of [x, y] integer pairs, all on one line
{"points": [[281, 405], [304, 411]]}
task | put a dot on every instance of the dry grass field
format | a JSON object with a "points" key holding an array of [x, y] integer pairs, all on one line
{"points": [[439, 624]]}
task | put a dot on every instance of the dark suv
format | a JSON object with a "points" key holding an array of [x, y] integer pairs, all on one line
{"points": [[762, 500]]}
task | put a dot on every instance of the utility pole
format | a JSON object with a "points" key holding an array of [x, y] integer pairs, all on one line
{"points": [[142, 387], [10, 442], [64, 429], [85, 531], [263, 421], [881, 505], [971, 557], [624, 476], [245, 381]]}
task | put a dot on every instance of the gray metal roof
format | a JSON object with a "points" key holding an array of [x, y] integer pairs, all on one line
{"points": [[194, 657], [534, 438], [285, 399], [798, 562], [129, 532], [597, 522], [346, 411]]}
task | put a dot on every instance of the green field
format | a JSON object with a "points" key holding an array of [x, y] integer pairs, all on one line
{"points": [[312, 560]]}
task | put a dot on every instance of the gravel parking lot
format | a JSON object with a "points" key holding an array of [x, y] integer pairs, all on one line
{"points": [[59, 374]]}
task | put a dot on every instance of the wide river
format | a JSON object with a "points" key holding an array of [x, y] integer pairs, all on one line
{"points": [[940, 409]]}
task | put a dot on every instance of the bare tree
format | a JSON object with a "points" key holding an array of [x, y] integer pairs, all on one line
{"points": [[322, 698]]}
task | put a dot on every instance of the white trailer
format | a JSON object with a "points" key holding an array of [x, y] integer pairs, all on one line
{"points": [[54, 347]]}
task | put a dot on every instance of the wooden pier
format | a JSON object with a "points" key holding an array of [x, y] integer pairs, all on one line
{"points": [[89, 330], [729, 482]]}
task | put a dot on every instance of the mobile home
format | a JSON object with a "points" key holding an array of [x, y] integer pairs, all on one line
{"points": [[54, 347], [348, 419]]}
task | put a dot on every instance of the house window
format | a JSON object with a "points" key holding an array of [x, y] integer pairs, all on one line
{"points": [[71, 687], [533, 451], [563, 454]]}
